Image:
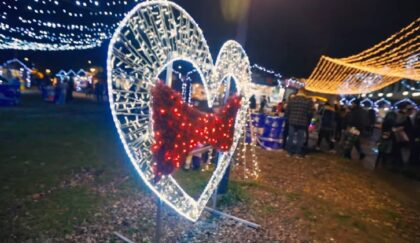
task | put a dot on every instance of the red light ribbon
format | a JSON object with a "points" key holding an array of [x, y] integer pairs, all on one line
{"points": [[179, 128]]}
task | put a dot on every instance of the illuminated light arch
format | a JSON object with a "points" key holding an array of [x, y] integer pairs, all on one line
{"points": [[81, 78], [388, 62], [23, 72], [368, 101], [152, 35], [406, 100], [71, 73], [82, 72], [347, 100], [61, 73], [383, 101]]}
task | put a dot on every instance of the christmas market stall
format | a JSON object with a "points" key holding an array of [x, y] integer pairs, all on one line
{"points": [[16, 69]]}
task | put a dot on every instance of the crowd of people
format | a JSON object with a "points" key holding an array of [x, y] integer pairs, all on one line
{"points": [[61, 92], [347, 127]]}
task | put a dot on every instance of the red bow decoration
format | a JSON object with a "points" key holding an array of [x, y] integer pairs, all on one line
{"points": [[180, 127]]}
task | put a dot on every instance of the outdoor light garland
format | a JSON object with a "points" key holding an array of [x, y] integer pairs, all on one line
{"points": [[18, 44], [269, 71], [398, 57], [179, 128], [414, 88], [252, 170], [294, 83], [153, 35], [30, 25]]}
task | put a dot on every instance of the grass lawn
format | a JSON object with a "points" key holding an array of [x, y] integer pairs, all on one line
{"points": [[64, 176], [42, 145], [45, 148]]}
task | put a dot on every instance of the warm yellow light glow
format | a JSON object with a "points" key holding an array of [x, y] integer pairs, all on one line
{"points": [[47, 71], [26, 59], [388, 62], [417, 94], [234, 10], [405, 93], [389, 95], [92, 70]]}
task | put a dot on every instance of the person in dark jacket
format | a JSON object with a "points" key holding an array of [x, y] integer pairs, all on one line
{"points": [[99, 91], [415, 143], [263, 104], [286, 122], [371, 121], [402, 131], [327, 125], [298, 111], [357, 118], [387, 140], [70, 89], [252, 103], [338, 121]]}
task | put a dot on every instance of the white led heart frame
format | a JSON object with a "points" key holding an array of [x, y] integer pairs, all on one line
{"points": [[152, 35]]}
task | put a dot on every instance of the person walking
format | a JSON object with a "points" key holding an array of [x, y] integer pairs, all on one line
{"points": [[57, 92], [70, 89], [387, 140], [252, 103], [99, 92], [339, 122], [402, 133], [263, 104], [286, 122], [63, 88], [357, 122], [415, 142], [371, 121], [327, 125], [299, 109]]}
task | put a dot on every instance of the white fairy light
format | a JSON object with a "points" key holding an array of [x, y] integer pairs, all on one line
{"points": [[152, 35], [255, 166], [22, 33], [269, 71], [410, 87]]}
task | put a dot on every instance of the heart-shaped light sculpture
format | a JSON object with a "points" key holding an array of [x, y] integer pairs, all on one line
{"points": [[151, 36]]}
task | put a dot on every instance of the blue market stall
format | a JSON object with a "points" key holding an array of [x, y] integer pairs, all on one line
{"points": [[267, 130]]}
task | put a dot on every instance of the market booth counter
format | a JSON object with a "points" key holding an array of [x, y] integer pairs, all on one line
{"points": [[268, 131]]}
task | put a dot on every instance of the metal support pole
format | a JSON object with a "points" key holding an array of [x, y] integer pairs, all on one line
{"points": [[214, 204], [242, 221], [158, 231], [169, 71], [123, 238]]}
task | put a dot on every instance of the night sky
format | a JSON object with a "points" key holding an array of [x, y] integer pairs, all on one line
{"points": [[285, 35]]}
